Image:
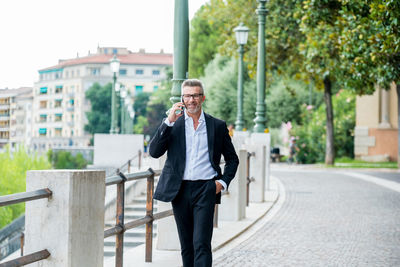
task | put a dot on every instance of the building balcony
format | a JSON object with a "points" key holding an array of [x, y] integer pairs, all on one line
{"points": [[70, 108], [71, 124], [4, 117], [4, 129], [4, 106], [4, 140]]}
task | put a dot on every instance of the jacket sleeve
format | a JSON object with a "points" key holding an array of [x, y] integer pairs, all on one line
{"points": [[159, 143], [230, 156]]}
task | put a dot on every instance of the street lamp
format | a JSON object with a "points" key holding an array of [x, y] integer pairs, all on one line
{"points": [[123, 95], [260, 120], [114, 65], [241, 33]]}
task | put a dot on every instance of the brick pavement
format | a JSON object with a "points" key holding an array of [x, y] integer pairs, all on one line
{"points": [[328, 219]]}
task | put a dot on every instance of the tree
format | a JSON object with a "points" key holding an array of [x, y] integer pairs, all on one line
{"points": [[140, 103], [99, 118], [371, 47]]}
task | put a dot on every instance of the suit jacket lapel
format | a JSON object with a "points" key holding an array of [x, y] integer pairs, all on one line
{"points": [[210, 136], [180, 127]]}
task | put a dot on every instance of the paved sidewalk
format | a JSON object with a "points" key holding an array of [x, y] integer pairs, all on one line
{"points": [[226, 234], [329, 218]]}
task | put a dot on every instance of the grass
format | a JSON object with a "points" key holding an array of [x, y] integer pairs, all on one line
{"points": [[355, 163]]}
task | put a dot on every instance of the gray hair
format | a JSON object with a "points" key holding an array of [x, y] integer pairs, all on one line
{"points": [[193, 83]]}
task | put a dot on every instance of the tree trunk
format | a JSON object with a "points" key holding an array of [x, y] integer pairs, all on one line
{"points": [[330, 149], [398, 123]]}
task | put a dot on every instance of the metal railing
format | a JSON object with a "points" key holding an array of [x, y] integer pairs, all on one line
{"points": [[248, 178], [128, 164], [19, 198], [120, 226]]}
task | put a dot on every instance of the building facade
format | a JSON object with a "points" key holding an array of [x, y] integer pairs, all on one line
{"points": [[376, 132], [15, 116], [59, 104]]}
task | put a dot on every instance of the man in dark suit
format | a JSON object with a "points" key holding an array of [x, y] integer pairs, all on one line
{"points": [[191, 178]]}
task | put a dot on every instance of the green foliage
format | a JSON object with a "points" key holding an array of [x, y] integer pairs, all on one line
{"points": [[99, 118], [65, 160], [284, 101], [156, 107], [140, 104], [13, 167], [311, 134], [370, 43], [141, 123], [220, 83]]}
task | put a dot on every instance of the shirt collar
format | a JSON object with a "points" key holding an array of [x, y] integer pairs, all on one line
{"points": [[201, 119]]}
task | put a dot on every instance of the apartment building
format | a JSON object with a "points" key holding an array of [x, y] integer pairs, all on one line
{"points": [[15, 116], [59, 104]]}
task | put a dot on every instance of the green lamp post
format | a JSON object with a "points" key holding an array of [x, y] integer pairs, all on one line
{"points": [[260, 120], [241, 33], [114, 65], [123, 98], [181, 48]]}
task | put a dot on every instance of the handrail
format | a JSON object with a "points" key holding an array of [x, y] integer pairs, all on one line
{"points": [[25, 196], [30, 258], [120, 226], [18, 198]]}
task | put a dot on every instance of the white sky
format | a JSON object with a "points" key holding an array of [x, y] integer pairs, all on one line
{"points": [[35, 34]]}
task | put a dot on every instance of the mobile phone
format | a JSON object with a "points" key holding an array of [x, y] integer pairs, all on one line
{"points": [[177, 112]]}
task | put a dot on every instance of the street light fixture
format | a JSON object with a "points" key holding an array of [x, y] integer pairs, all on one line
{"points": [[260, 120], [114, 65], [241, 33]]}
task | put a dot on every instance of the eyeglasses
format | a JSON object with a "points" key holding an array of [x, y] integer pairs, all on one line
{"points": [[195, 96]]}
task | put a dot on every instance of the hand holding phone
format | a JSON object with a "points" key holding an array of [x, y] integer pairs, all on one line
{"points": [[175, 112]]}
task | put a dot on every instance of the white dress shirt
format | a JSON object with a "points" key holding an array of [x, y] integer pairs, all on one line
{"points": [[197, 165]]}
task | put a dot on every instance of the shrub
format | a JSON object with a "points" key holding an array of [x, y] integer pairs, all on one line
{"points": [[65, 160], [311, 135], [13, 167]]}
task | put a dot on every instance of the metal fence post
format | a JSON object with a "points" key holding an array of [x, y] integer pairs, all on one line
{"points": [[119, 238], [149, 213]]}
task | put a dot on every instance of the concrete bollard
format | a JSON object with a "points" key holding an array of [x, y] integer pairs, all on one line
{"points": [[70, 225], [167, 233], [257, 171], [233, 204], [263, 139]]}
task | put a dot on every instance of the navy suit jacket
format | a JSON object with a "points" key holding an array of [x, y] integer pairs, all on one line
{"points": [[172, 140]]}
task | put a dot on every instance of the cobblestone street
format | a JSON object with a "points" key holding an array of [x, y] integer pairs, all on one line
{"points": [[327, 219]]}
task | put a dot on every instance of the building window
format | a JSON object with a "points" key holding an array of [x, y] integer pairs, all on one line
{"points": [[94, 71], [155, 88], [43, 118], [57, 131], [156, 72], [43, 104], [59, 89], [72, 102], [43, 90], [58, 117], [42, 131], [139, 72], [138, 89], [122, 72], [115, 51], [57, 103]]}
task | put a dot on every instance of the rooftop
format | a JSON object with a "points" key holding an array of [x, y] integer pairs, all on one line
{"points": [[129, 57]]}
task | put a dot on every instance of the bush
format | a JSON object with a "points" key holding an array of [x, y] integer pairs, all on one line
{"points": [[65, 160], [311, 135], [13, 167]]}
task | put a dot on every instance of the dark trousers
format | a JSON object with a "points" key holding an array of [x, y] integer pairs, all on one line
{"points": [[194, 211]]}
